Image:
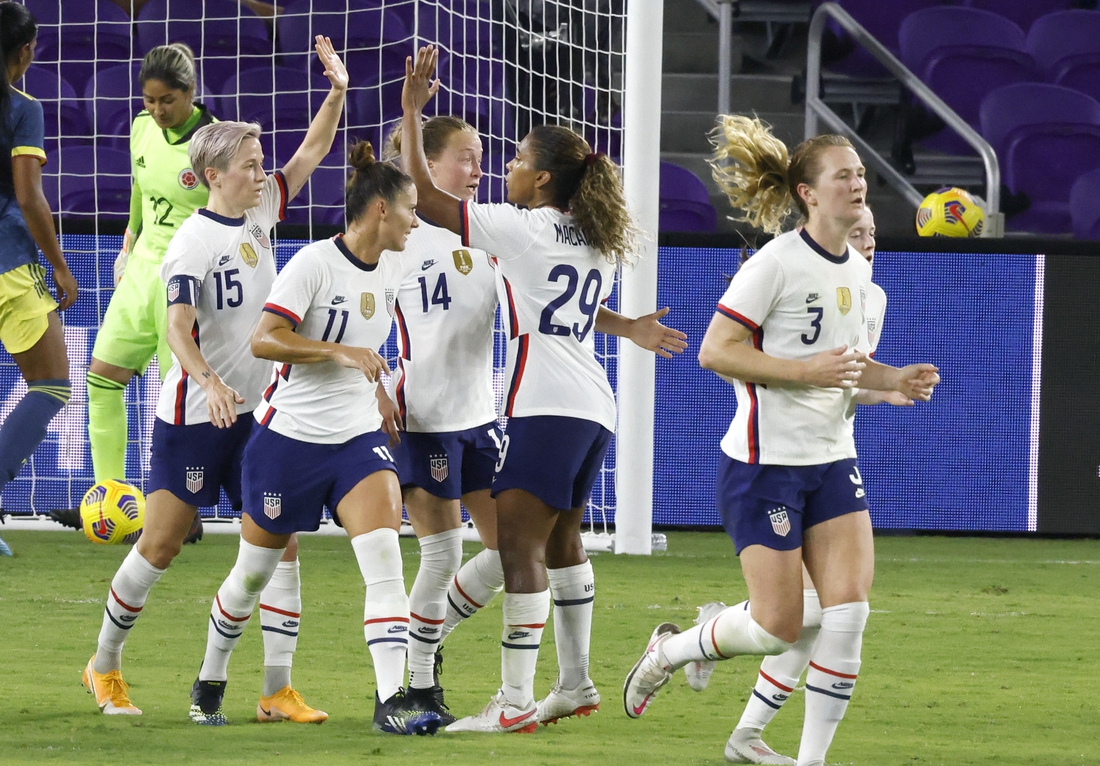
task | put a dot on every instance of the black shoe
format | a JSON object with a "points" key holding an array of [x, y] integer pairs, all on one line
{"points": [[67, 517], [196, 530], [398, 716], [431, 700], [206, 703]]}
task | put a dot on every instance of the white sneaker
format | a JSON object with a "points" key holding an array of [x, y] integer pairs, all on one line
{"points": [[499, 716], [563, 703], [745, 746], [649, 674], [698, 671]]}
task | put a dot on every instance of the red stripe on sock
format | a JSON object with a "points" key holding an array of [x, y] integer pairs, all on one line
{"points": [[228, 616], [416, 616], [775, 683], [463, 593], [831, 672], [714, 641], [267, 608], [539, 626], [123, 604], [386, 619]]}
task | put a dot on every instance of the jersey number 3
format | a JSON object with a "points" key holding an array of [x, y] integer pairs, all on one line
{"points": [[815, 323]]}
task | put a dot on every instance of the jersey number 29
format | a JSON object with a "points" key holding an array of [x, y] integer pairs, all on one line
{"points": [[588, 302]]}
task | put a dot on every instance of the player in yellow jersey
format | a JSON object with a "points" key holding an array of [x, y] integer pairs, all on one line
{"points": [[30, 329]]}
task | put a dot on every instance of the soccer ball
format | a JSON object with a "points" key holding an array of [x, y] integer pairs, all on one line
{"points": [[112, 512], [950, 212]]}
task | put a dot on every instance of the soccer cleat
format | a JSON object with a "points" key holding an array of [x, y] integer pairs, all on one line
{"points": [[431, 700], [195, 533], [67, 517], [745, 746], [698, 671], [563, 703], [109, 690], [499, 716], [287, 705], [206, 703], [398, 715], [5, 549], [649, 673]]}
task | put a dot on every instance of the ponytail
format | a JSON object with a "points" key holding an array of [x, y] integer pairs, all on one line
{"points": [[370, 179]]}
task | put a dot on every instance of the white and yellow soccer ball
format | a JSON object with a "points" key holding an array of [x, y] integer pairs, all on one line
{"points": [[112, 512], [950, 212]]}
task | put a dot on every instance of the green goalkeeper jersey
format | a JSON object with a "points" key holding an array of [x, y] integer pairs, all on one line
{"points": [[169, 189]]}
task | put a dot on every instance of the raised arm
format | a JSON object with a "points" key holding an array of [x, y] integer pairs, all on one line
{"points": [[645, 332], [441, 207], [275, 339], [27, 176], [221, 400], [322, 131]]}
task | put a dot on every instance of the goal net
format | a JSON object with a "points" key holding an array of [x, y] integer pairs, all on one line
{"points": [[505, 65]]}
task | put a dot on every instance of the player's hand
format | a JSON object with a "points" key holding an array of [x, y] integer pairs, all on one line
{"points": [[392, 424], [419, 86], [837, 368], [65, 283], [123, 256], [366, 360], [647, 332], [916, 381], [221, 402], [335, 70], [897, 398]]}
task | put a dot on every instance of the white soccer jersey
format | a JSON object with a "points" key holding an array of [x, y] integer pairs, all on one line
{"points": [[798, 300], [552, 283], [228, 265], [876, 314], [329, 295], [445, 312]]}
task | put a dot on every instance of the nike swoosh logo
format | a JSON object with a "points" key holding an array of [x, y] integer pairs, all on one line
{"points": [[265, 712], [639, 709], [507, 723]]}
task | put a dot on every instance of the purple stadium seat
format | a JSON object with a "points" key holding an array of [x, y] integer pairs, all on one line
{"points": [[364, 25], [273, 97], [881, 20], [87, 182], [1066, 45], [1084, 205], [684, 201], [323, 198], [962, 54], [463, 26], [1045, 137], [1022, 12], [113, 97], [95, 31], [210, 27], [64, 115]]}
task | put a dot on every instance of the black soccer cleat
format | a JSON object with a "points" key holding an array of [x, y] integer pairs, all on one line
{"points": [[67, 517], [431, 700], [206, 703], [398, 715]]}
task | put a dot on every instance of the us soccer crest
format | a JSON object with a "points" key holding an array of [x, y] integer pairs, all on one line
{"points": [[259, 235], [273, 505], [781, 522], [194, 479], [173, 291], [464, 262], [439, 468], [249, 255], [366, 305], [844, 299]]}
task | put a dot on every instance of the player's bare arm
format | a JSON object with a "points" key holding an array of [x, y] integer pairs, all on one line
{"points": [[27, 176], [645, 332], [725, 352], [322, 131], [221, 400], [392, 424], [915, 381], [276, 340]]}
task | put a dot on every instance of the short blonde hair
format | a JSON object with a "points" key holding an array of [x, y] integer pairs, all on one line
{"points": [[215, 146]]}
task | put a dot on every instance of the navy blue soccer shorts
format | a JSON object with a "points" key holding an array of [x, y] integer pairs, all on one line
{"points": [[771, 505], [194, 462], [557, 459], [451, 463], [288, 482]]}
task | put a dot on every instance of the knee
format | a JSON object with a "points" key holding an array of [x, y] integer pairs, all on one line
{"points": [[159, 553], [779, 628]]}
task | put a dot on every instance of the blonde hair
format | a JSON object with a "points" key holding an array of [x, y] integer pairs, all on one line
{"points": [[754, 170], [437, 132], [215, 146]]}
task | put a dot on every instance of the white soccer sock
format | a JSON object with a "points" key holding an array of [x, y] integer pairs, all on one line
{"points": [[386, 608], [125, 600], [732, 632], [524, 619], [831, 677], [779, 673], [574, 592], [280, 615], [440, 558], [479, 579], [233, 605]]}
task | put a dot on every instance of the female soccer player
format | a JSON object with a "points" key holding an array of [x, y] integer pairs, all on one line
{"points": [[166, 190], [789, 487], [218, 271], [29, 326], [555, 270], [319, 441]]}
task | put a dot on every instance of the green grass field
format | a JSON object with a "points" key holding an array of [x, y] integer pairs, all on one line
{"points": [[978, 651]]}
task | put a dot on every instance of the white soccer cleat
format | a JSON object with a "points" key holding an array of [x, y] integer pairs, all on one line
{"points": [[745, 746], [563, 703], [649, 674], [698, 671], [499, 717]]}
